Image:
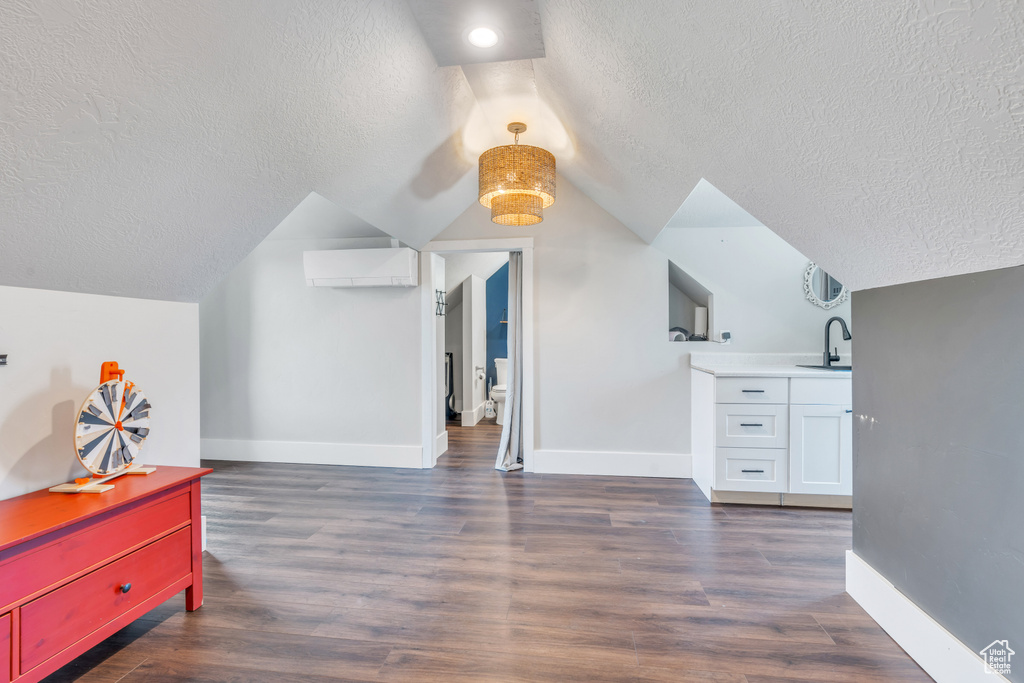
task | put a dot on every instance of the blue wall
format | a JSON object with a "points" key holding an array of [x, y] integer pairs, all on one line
{"points": [[497, 333]]}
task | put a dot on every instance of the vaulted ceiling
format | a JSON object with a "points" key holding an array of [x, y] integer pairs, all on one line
{"points": [[146, 148]]}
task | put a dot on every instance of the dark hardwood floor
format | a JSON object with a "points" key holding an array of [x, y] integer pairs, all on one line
{"points": [[463, 573]]}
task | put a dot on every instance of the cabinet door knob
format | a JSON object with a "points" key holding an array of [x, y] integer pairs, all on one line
{"points": [[126, 587]]}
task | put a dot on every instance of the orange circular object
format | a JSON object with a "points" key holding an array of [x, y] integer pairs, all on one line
{"points": [[118, 426]]}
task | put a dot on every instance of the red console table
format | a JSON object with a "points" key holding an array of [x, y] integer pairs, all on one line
{"points": [[76, 568]]}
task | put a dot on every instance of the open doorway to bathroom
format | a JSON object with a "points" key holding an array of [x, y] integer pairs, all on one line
{"points": [[476, 337], [467, 345]]}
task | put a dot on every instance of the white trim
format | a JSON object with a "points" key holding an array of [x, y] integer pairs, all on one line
{"points": [[668, 465], [524, 245], [312, 453], [471, 417], [510, 244], [935, 649], [440, 446], [428, 349]]}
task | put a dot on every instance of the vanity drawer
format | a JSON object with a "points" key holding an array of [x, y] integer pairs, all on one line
{"points": [[748, 426], [64, 616], [752, 390], [751, 469], [30, 570], [821, 391]]}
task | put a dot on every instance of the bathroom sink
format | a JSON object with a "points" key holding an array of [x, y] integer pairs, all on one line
{"points": [[827, 367]]}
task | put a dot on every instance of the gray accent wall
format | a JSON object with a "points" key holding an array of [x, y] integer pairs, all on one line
{"points": [[938, 481]]}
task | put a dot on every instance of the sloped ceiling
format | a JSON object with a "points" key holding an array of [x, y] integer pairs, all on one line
{"points": [[885, 140], [145, 148]]}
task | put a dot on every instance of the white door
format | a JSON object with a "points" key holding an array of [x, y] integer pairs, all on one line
{"points": [[821, 449]]}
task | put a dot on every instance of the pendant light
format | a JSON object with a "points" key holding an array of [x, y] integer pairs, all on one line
{"points": [[517, 182]]}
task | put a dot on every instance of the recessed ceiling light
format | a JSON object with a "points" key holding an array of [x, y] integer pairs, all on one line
{"points": [[482, 36]]}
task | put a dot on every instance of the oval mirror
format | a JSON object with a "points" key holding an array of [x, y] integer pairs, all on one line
{"points": [[822, 289]]}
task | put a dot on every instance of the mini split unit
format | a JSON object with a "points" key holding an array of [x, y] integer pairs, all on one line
{"points": [[361, 268]]}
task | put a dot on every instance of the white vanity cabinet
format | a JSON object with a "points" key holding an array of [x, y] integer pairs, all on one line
{"points": [[821, 437], [781, 436]]}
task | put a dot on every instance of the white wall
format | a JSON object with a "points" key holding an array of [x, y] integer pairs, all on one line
{"points": [[612, 394], [474, 345], [309, 374], [56, 342], [757, 279]]}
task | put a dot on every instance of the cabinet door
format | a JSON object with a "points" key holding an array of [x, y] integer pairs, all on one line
{"points": [[5, 648], [820, 449]]}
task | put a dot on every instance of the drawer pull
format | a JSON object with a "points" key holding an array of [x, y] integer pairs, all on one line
{"points": [[751, 424], [752, 391], [126, 587], [849, 411], [752, 471]]}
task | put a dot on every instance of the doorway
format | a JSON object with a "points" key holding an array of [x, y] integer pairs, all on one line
{"points": [[456, 304]]}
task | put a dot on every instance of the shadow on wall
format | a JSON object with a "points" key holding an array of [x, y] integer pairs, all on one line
{"points": [[444, 167], [51, 460]]}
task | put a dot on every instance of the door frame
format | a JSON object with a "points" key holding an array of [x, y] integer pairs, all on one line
{"points": [[431, 397]]}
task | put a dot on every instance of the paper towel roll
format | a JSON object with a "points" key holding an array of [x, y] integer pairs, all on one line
{"points": [[700, 325]]}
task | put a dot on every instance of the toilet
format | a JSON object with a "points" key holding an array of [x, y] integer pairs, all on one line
{"points": [[498, 390]]}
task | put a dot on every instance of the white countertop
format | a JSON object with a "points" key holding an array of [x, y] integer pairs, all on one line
{"points": [[765, 365]]}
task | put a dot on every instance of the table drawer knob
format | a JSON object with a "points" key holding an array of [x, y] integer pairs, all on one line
{"points": [[126, 587]]}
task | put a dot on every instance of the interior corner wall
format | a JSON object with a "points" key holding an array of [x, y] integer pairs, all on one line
{"points": [[453, 345], [758, 283], [938, 469], [497, 332], [474, 348], [292, 373], [612, 395], [55, 343]]}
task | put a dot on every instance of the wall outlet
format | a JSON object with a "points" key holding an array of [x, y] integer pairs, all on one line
{"points": [[726, 336]]}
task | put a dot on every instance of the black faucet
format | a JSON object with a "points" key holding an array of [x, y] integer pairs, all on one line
{"points": [[829, 357]]}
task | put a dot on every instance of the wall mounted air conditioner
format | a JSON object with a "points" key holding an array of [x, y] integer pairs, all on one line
{"points": [[361, 267]]}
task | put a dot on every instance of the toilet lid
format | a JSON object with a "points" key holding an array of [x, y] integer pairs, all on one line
{"points": [[498, 388]]}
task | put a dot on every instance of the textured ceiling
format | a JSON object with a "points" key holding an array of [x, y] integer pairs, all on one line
{"points": [[885, 140], [145, 148], [707, 207]]}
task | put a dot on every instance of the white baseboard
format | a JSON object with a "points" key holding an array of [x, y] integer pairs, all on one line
{"points": [[471, 417], [935, 649], [671, 465], [440, 445], [310, 453]]}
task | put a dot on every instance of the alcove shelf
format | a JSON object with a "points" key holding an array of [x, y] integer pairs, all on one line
{"points": [[685, 295]]}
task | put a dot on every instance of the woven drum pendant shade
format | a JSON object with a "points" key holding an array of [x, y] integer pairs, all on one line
{"points": [[517, 182]]}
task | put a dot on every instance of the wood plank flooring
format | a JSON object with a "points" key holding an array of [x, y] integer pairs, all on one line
{"points": [[463, 573]]}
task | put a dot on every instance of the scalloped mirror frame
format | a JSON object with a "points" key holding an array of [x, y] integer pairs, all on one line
{"points": [[813, 298]]}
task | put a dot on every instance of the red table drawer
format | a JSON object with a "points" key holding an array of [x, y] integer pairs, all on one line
{"points": [[28, 571], [5, 648], [58, 619]]}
